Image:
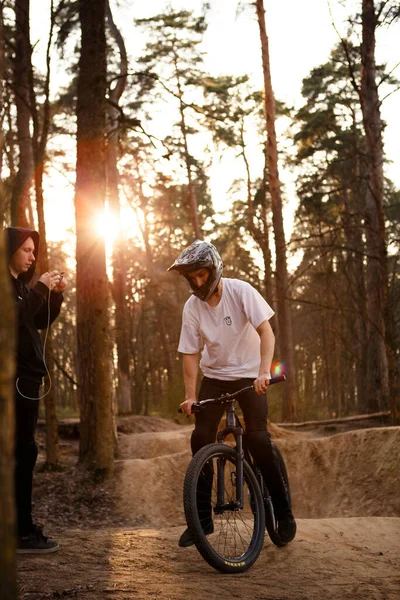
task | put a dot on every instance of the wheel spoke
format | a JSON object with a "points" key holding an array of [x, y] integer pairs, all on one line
{"points": [[236, 538]]}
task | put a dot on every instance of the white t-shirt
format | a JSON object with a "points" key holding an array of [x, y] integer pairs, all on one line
{"points": [[226, 332]]}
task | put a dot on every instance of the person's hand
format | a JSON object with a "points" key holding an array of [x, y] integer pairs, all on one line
{"points": [[50, 279], [261, 383], [61, 282], [187, 406]]}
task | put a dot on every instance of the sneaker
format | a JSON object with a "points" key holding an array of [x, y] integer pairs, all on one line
{"points": [[36, 543], [287, 529], [186, 539]]}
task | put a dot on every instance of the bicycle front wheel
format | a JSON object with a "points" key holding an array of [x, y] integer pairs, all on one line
{"points": [[229, 537]]}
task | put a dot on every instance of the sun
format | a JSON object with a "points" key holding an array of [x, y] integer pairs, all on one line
{"points": [[118, 229], [108, 226]]}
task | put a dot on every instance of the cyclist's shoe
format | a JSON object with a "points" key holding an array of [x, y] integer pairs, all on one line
{"points": [[186, 539], [287, 529], [36, 543]]}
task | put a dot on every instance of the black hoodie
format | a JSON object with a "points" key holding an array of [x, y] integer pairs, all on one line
{"points": [[31, 307]]}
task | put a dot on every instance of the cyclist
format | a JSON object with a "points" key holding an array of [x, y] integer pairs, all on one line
{"points": [[228, 320]]}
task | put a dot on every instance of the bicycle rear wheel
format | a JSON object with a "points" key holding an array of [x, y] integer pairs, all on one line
{"points": [[270, 522], [229, 538]]}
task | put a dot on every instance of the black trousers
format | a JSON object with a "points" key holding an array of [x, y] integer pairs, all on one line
{"points": [[255, 412], [26, 415]]}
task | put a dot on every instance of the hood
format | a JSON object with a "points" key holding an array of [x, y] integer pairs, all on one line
{"points": [[16, 236]]}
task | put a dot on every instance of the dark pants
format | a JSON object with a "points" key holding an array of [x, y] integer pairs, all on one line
{"points": [[255, 412], [26, 414]]}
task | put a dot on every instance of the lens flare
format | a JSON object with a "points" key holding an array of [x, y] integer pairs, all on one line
{"points": [[278, 368]]}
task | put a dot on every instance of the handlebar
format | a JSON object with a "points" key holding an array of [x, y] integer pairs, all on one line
{"points": [[225, 398]]}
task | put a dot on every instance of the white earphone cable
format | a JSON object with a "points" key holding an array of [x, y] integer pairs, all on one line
{"points": [[44, 357]]}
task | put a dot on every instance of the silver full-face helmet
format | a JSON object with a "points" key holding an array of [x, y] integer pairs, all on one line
{"points": [[200, 255]]}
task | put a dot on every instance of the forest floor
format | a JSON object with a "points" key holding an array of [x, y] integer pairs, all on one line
{"points": [[118, 539]]}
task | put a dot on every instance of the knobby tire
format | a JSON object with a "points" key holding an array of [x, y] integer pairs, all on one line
{"points": [[272, 532], [238, 535]]}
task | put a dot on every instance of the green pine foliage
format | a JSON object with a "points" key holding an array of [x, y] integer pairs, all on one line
{"points": [[329, 286]]}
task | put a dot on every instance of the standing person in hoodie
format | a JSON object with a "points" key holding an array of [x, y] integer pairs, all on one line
{"points": [[32, 309]]}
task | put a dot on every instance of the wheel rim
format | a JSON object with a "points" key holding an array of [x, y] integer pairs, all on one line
{"points": [[234, 530]]}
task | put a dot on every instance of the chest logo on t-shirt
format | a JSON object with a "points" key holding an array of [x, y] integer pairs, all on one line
{"points": [[228, 320]]}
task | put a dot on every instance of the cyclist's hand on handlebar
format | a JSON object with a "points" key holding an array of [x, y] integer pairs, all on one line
{"points": [[261, 383], [187, 406]]}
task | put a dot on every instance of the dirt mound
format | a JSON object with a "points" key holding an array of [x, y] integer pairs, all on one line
{"points": [[153, 444], [151, 473], [279, 432], [140, 424], [150, 491], [350, 474], [157, 437]]}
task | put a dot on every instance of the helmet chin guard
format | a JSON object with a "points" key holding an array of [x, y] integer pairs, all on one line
{"points": [[200, 255]]}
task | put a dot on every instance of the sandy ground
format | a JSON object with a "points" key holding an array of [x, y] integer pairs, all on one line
{"points": [[119, 539]]}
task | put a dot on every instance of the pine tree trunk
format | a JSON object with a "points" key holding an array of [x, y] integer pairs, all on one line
{"points": [[39, 153], [377, 273], [118, 262], [168, 358], [284, 319], [309, 397], [94, 349], [260, 237], [21, 209], [188, 161], [356, 280], [269, 280], [2, 118], [8, 577]]}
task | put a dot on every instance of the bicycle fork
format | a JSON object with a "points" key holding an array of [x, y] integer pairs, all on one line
{"points": [[236, 504]]}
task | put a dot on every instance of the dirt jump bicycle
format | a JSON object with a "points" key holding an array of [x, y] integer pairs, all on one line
{"points": [[230, 537]]}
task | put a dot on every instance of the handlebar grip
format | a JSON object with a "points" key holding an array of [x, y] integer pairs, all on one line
{"points": [[277, 379], [195, 408]]}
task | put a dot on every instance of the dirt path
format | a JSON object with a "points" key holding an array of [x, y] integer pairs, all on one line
{"points": [[119, 539], [356, 558]]}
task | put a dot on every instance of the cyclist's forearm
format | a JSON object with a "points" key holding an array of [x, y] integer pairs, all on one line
{"points": [[190, 372], [267, 346]]}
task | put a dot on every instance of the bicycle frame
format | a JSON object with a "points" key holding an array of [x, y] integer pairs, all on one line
{"points": [[237, 431], [234, 427]]}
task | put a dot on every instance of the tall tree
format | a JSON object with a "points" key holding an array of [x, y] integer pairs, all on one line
{"points": [[330, 230], [229, 104], [21, 208], [281, 274], [2, 112], [8, 576], [164, 231], [113, 130], [94, 352], [172, 58], [379, 354], [331, 188], [41, 124]]}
